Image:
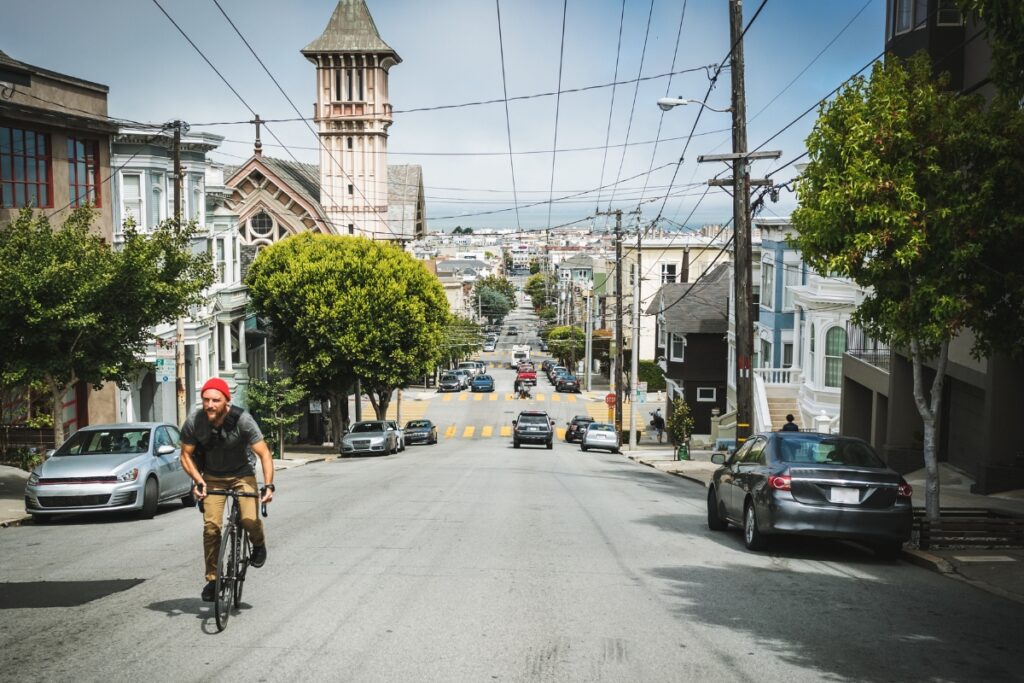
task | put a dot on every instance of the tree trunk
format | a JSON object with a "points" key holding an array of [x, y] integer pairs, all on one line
{"points": [[57, 410], [280, 442], [339, 413], [930, 412]]}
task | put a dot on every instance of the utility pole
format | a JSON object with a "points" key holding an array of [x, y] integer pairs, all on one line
{"points": [[634, 355], [179, 334], [589, 343], [742, 249], [618, 320]]}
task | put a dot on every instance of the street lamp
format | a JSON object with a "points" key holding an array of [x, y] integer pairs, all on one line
{"points": [[666, 103]]}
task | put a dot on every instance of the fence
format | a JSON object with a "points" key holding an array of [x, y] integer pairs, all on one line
{"points": [[20, 436]]}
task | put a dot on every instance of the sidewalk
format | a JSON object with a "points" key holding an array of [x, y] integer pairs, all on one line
{"points": [[999, 571], [12, 480]]}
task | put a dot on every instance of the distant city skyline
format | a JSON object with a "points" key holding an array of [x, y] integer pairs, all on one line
{"points": [[451, 56]]}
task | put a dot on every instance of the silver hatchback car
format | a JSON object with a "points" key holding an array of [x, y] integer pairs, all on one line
{"points": [[100, 468]]}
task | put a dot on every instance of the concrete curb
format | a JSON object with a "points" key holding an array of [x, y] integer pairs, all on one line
{"points": [[927, 560]]}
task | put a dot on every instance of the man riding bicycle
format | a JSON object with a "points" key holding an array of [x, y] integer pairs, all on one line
{"points": [[215, 441]]}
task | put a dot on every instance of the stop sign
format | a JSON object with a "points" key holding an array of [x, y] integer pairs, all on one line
{"points": [[610, 399]]}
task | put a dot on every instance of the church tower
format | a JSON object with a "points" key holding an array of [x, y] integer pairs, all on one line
{"points": [[353, 116]]}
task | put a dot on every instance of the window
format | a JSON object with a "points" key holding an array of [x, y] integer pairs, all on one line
{"points": [[949, 13], [767, 284], [220, 263], [678, 347], [755, 456], [835, 347], [359, 75], [668, 272], [156, 199], [707, 394], [351, 228], [791, 278], [349, 142], [26, 177], [84, 172], [632, 274], [131, 189], [348, 78], [787, 355], [351, 188], [904, 10], [921, 14], [261, 224], [810, 357], [198, 208], [337, 85]]}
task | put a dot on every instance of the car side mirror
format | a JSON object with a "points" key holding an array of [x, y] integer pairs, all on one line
{"points": [[49, 453], [718, 458], [166, 449]]}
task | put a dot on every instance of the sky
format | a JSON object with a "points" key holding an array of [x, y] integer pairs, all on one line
{"points": [[796, 53]]}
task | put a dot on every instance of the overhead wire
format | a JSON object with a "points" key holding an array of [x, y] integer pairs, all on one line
{"points": [[558, 102], [611, 105], [508, 121]]}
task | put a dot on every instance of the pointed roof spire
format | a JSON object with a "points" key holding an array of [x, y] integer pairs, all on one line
{"points": [[351, 29]]}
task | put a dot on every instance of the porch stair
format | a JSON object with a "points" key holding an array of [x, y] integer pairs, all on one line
{"points": [[779, 407]]}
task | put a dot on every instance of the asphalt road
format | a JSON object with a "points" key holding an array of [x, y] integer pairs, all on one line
{"points": [[472, 561]]}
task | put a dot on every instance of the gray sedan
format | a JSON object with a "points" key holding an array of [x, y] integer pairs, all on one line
{"points": [[810, 484], [131, 466], [374, 437], [600, 435]]}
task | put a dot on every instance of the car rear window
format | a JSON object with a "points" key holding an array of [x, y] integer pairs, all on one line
{"points": [[601, 428], [533, 419], [413, 424], [814, 450]]}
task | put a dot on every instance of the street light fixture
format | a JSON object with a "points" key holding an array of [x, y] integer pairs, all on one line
{"points": [[666, 103]]}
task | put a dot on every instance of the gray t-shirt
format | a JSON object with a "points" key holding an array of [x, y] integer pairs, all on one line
{"points": [[225, 451]]}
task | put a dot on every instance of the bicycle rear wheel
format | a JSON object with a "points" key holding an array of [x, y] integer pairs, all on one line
{"points": [[244, 550], [226, 569]]}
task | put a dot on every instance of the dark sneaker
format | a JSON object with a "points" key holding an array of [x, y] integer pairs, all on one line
{"points": [[259, 556], [210, 591]]}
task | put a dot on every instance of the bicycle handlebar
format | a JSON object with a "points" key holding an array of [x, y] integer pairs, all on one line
{"points": [[235, 494]]}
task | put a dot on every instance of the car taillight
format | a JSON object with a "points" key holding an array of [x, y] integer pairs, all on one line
{"points": [[780, 482], [904, 490]]}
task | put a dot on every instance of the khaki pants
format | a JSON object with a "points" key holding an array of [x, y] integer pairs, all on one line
{"points": [[213, 516]]}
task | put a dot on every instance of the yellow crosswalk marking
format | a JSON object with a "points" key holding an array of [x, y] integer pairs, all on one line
{"points": [[449, 432], [463, 397], [487, 431], [506, 430], [478, 397], [571, 398], [560, 433], [510, 397], [492, 397], [467, 433], [446, 397], [556, 397], [540, 397]]}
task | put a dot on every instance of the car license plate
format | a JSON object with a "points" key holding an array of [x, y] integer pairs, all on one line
{"points": [[839, 494]]}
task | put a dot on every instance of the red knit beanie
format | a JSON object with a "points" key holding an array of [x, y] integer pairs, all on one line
{"points": [[218, 384]]}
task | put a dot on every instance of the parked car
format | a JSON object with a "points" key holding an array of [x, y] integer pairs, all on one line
{"points": [[464, 377], [810, 484], [557, 372], [420, 431], [567, 383], [489, 346], [393, 424], [526, 374], [470, 367], [370, 436], [533, 427], [547, 364], [512, 331], [482, 383], [449, 382], [575, 428], [600, 435], [128, 466]]}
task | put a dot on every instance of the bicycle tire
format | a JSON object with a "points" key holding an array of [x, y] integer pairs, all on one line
{"points": [[225, 573], [244, 550]]}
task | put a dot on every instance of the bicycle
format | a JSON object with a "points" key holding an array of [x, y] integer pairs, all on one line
{"points": [[233, 560]]}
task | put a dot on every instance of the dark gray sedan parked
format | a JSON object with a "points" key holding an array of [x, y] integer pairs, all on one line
{"points": [[810, 484]]}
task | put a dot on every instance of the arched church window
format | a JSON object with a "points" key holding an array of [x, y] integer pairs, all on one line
{"points": [[262, 224]]}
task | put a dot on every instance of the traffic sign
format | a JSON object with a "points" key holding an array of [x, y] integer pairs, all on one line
{"points": [[610, 399]]}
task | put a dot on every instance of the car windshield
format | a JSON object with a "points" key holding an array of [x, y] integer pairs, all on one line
{"points": [[93, 442], [483, 378], [571, 378], [600, 428], [533, 419], [815, 450], [359, 427], [416, 424], [449, 378]]}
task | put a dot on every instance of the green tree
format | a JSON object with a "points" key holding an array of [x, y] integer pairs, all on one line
{"points": [[75, 309], [1004, 31], [463, 338], [534, 267], [649, 371], [567, 344], [491, 304], [498, 284], [540, 294], [348, 307], [276, 402], [890, 199], [679, 424]]}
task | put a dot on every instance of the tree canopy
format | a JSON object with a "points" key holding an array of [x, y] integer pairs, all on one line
{"points": [[540, 293], [567, 344], [73, 308], [348, 307]]}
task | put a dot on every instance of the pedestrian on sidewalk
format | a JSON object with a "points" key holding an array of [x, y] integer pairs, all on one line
{"points": [[790, 426], [658, 422]]}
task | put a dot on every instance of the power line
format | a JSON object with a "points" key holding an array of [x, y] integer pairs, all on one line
{"points": [[611, 106], [508, 122], [558, 102]]}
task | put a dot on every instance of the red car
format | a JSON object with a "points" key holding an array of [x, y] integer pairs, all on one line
{"points": [[527, 374]]}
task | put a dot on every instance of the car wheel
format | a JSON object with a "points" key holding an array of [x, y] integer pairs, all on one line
{"points": [[887, 550], [752, 536], [433, 440], [150, 497], [715, 521], [551, 444], [584, 448]]}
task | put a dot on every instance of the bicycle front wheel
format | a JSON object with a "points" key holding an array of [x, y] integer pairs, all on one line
{"points": [[244, 550], [226, 572]]}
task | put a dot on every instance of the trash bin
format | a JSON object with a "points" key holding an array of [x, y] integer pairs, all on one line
{"points": [[682, 452]]}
